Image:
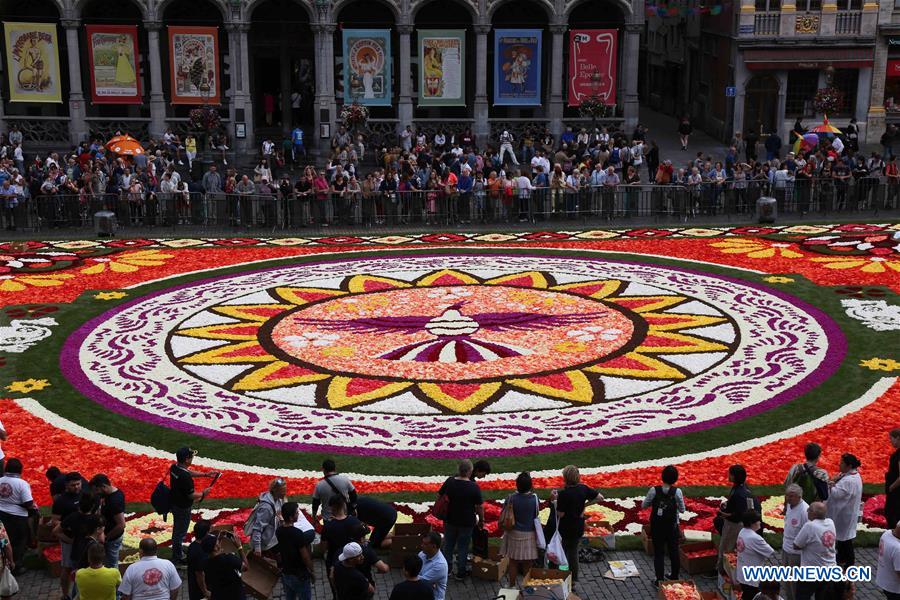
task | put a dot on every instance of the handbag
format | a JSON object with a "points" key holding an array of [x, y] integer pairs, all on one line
{"points": [[8, 584], [508, 515], [555, 552], [442, 505], [538, 527]]}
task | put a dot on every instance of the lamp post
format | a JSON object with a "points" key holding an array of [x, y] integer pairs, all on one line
{"points": [[593, 105]]}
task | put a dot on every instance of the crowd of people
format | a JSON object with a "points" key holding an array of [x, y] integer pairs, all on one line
{"points": [[88, 518], [443, 178]]}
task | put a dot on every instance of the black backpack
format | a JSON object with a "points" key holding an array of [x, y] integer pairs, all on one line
{"points": [[664, 510], [161, 499]]}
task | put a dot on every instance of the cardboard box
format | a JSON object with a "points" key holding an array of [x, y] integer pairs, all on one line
{"points": [[411, 529], [646, 540], [664, 584], [45, 531], [406, 543], [260, 579], [489, 570], [493, 552], [558, 591], [222, 527], [509, 594], [707, 596], [607, 542], [699, 564]]}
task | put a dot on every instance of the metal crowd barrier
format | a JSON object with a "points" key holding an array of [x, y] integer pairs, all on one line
{"points": [[427, 208]]}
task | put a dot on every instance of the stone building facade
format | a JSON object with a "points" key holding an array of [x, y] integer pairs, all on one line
{"points": [[279, 47]]}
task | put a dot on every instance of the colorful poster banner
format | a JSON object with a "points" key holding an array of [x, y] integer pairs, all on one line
{"points": [[194, 65], [112, 56], [32, 62], [592, 65], [442, 67], [517, 66], [367, 66]]}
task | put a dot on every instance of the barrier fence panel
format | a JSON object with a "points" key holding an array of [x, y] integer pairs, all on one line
{"points": [[442, 208]]}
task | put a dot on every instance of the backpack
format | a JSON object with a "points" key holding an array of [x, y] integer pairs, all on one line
{"points": [[664, 509], [614, 157], [813, 487], [254, 515], [161, 499]]}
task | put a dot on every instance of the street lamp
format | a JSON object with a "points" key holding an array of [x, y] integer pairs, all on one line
{"points": [[593, 106]]}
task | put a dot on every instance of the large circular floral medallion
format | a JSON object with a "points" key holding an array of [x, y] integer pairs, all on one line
{"points": [[431, 355]]}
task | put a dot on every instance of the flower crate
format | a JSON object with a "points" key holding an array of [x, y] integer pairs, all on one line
{"points": [[699, 557], [646, 540], [541, 584], [678, 590], [599, 534], [489, 570]]}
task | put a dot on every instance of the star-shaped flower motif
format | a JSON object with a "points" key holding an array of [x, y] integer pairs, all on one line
{"points": [[881, 364], [28, 385], [110, 295]]}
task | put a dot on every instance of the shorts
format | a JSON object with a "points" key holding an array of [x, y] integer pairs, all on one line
{"points": [[68, 560]]}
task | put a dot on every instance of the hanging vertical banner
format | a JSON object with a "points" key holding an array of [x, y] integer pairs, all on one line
{"points": [[112, 56], [194, 65], [367, 66], [517, 66], [32, 62], [592, 65], [442, 67]]}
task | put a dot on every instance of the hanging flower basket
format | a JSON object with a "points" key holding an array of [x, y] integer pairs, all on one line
{"points": [[204, 118], [828, 100], [354, 116], [594, 108]]}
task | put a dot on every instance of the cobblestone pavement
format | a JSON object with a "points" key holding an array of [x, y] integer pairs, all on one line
{"points": [[38, 585]]}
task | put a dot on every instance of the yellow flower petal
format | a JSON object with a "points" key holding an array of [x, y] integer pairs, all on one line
{"points": [[94, 270]]}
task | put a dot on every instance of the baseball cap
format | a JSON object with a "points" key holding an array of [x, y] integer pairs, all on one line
{"points": [[351, 550], [184, 452]]}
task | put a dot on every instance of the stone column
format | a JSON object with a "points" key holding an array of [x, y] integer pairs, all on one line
{"points": [[157, 98], [482, 128], [782, 77], [876, 117], [630, 106], [741, 77], [285, 64], [829, 18], [863, 98], [324, 107], [405, 112], [557, 70], [246, 100], [78, 128]]}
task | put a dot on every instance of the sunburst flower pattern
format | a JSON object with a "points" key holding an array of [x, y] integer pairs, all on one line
{"points": [[452, 340]]}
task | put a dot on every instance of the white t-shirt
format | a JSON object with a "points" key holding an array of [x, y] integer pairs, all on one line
{"points": [[150, 578], [752, 551], [816, 543], [14, 491], [794, 519], [843, 505], [886, 577]]}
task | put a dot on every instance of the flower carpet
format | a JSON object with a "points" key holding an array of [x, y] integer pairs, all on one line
{"points": [[617, 351]]}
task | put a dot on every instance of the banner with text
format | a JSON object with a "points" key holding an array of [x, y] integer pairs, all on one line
{"points": [[517, 66], [592, 65], [367, 66], [442, 67], [194, 65], [112, 56], [32, 62]]}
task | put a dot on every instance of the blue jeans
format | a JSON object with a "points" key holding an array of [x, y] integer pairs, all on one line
{"points": [[457, 538], [112, 548], [181, 520], [296, 588]]}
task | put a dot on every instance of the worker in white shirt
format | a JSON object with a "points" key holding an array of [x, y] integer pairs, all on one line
{"points": [[752, 551], [795, 517], [887, 577], [816, 542], [843, 507]]}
